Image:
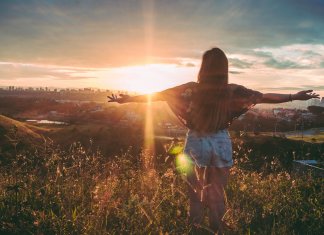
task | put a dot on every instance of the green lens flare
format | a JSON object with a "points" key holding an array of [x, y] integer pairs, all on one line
{"points": [[175, 150], [183, 163]]}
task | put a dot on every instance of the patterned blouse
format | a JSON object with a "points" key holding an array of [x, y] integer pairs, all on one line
{"points": [[180, 100]]}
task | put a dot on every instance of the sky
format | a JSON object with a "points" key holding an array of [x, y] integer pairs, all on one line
{"points": [[146, 45]]}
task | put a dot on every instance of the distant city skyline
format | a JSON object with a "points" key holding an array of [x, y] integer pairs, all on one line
{"points": [[22, 90], [147, 46], [17, 88]]}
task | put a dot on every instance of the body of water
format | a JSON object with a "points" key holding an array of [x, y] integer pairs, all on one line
{"points": [[47, 122], [308, 132]]}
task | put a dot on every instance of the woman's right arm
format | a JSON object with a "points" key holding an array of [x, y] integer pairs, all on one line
{"points": [[139, 98], [164, 95]]}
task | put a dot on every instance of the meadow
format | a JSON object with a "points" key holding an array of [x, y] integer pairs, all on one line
{"points": [[78, 190]]}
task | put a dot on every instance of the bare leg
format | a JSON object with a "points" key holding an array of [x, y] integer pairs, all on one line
{"points": [[195, 188], [217, 180]]}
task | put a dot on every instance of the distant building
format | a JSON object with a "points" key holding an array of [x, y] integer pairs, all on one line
{"points": [[87, 89], [322, 102], [98, 108], [132, 116]]}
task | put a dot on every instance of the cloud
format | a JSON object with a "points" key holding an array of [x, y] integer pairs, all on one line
{"points": [[262, 54], [296, 88], [261, 39], [294, 56], [179, 61], [9, 71], [312, 54], [320, 88], [235, 72], [234, 62], [285, 64], [190, 65], [121, 33]]}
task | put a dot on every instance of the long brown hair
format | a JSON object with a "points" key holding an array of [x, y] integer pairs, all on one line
{"points": [[211, 101]]}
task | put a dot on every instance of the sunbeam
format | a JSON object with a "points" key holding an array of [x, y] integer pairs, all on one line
{"points": [[149, 130], [148, 14]]}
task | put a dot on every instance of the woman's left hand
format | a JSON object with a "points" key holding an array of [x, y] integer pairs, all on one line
{"points": [[305, 95]]}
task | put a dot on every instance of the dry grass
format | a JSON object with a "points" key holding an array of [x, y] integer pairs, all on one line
{"points": [[79, 191]]}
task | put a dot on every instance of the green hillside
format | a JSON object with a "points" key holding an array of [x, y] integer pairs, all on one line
{"points": [[15, 134]]}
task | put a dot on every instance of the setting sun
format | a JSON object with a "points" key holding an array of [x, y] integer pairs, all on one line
{"points": [[148, 78]]}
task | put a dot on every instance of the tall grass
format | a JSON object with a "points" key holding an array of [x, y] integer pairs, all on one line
{"points": [[275, 204], [79, 191]]}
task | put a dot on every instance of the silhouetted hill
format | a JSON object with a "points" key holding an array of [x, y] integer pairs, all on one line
{"points": [[15, 134]]}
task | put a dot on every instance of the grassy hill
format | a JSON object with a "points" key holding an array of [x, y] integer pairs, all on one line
{"points": [[15, 134], [112, 140]]}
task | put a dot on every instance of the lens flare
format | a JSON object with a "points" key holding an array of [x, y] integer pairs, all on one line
{"points": [[175, 150], [183, 163]]}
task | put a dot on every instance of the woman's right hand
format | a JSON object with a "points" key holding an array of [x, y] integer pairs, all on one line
{"points": [[121, 99]]}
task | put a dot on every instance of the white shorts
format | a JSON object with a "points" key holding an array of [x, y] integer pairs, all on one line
{"points": [[209, 150]]}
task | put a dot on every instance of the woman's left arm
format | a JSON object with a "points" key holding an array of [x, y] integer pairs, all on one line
{"points": [[281, 98]]}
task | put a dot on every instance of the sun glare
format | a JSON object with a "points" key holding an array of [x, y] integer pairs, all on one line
{"points": [[147, 78], [149, 131]]}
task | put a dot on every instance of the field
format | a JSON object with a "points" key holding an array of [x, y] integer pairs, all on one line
{"points": [[51, 189], [79, 192]]}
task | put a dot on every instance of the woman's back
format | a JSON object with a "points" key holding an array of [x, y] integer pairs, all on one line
{"points": [[206, 108]]}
